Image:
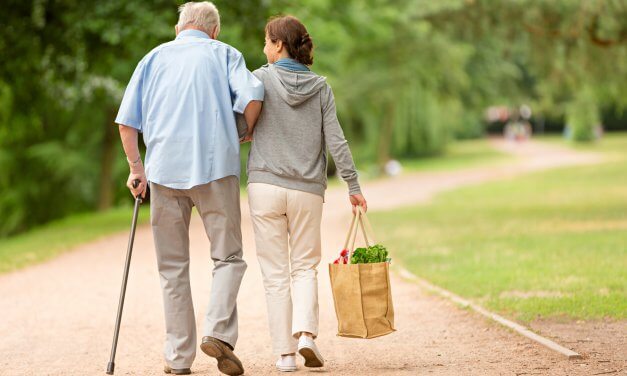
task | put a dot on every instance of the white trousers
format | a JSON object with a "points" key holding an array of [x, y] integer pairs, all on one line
{"points": [[287, 235]]}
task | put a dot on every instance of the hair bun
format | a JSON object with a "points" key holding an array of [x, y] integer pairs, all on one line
{"points": [[305, 39]]}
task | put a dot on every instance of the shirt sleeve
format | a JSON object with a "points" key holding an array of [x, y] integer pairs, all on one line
{"points": [[130, 112], [337, 144], [244, 86]]}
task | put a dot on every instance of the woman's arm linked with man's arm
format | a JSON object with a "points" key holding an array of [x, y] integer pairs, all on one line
{"points": [[246, 121]]}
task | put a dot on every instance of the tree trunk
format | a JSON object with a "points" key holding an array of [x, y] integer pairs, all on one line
{"points": [[385, 140], [105, 196]]}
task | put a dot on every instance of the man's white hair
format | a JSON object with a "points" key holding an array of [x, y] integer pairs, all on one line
{"points": [[203, 15]]}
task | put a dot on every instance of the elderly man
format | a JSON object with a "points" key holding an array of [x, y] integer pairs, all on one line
{"points": [[182, 97]]}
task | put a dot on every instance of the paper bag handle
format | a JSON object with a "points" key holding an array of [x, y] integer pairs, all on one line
{"points": [[366, 227], [353, 235], [350, 236], [359, 218]]}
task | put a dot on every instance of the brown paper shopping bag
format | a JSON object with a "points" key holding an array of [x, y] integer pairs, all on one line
{"points": [[361, 292]]}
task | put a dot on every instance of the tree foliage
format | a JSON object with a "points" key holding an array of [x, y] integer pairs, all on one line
{"points": [[408, 76]]}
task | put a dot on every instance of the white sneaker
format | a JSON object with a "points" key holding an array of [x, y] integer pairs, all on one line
{"points": [[286, 363], [308, 349]]}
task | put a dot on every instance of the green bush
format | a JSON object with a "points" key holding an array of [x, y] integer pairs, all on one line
{"points": [[582, 116]]}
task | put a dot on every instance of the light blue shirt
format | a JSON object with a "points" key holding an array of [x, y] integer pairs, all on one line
{"points": [[182, 97]]}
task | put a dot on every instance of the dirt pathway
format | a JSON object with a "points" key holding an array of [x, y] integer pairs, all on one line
{"points": [[57, 317]]}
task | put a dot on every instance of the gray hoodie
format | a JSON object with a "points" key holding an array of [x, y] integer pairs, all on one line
{"points": [[297, 124]]}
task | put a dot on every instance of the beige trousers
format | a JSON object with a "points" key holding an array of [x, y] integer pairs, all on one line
{"points": [[287, 235], [217, 203]]}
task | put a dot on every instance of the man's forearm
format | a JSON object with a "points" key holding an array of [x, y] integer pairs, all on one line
{"points": [[129, 137], [251, 114]]}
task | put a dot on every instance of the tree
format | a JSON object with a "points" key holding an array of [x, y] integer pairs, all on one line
{"points": [[408, 75]]}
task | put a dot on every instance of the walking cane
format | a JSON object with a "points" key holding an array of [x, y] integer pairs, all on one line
{"points": [[129, 251]]}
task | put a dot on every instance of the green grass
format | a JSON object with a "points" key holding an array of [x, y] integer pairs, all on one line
{"points": [[612, 144], [458, 155], [50, 240], [461, 154], [550, 244]]}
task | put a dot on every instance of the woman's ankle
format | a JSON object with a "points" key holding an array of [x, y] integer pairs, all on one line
{"points": [[306, 334], [290, 354]]}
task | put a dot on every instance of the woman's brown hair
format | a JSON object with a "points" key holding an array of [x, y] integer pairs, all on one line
{"points": [[294, 36]]}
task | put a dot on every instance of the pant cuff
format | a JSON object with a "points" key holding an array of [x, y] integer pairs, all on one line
{"points": [[286, 351], [229, 340], [177, 366], [308, 329]]}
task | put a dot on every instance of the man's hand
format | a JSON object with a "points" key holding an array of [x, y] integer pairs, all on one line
{"points": [[137, 174], [358, 200]]}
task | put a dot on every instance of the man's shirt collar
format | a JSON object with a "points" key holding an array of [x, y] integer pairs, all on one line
{"points": [[192, 33]]}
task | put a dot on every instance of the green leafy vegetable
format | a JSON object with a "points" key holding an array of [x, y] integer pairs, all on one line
{"points": [[375, 253]]}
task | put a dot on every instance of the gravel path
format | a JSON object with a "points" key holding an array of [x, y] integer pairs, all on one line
{"points": [[58, 316]]}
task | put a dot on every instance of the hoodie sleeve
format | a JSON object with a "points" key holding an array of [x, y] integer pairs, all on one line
{"points": [[337, 144]]}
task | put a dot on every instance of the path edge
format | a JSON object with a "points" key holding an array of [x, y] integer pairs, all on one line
{"points": [[520, 329]]}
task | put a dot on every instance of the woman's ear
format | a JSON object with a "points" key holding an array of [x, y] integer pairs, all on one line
{"points": [[279, 46], [176, 29]]}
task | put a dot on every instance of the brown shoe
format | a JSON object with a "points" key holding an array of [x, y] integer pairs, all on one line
{"points": [[179, 371], [228, 363]]}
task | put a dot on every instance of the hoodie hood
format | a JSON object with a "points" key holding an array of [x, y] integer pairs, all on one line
{"points": [[295, 87]]}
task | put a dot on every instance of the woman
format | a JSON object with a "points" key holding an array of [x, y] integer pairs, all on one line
{"points": [[286, 184]]}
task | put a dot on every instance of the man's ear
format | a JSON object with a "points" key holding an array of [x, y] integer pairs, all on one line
{"points": [[279, 46], [176, 29], [214, 33]]}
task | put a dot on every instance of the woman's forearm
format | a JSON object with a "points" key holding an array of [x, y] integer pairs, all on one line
{"points": [[251, 114]]}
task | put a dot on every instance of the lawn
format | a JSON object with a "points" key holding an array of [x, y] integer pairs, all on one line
{"points": [[50, 240], [550, 244], [458, 155]]}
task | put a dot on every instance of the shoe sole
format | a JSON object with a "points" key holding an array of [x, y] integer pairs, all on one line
{"points": [[173, 372], [287, 369], [311, 360], [227, 361]]}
